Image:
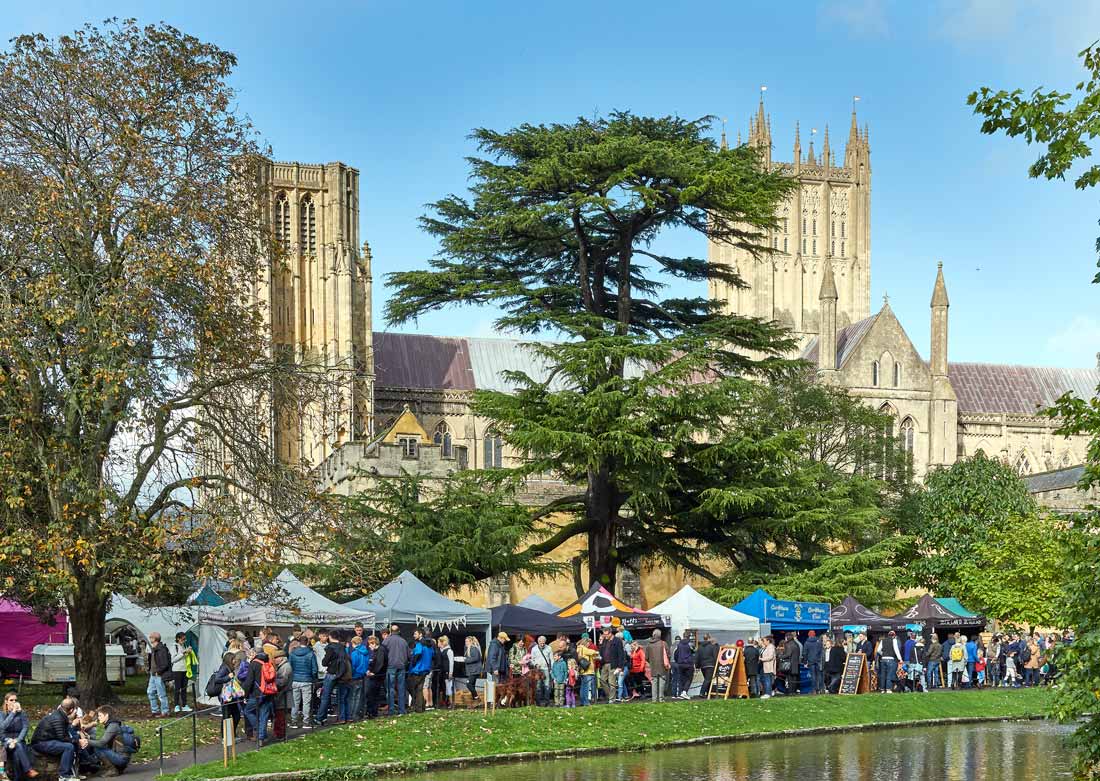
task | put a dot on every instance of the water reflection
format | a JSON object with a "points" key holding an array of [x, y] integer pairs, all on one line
{"points": [[990, 752]]}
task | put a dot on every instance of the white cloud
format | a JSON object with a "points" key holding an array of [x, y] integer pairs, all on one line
{"points": [[972, 20], [1075, 345], [862, 18]]}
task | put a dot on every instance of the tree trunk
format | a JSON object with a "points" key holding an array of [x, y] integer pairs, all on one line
{"points": [[87, 613], [599, 509]]}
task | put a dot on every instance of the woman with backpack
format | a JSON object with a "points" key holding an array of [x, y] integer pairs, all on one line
{"points": [[113, 743]]}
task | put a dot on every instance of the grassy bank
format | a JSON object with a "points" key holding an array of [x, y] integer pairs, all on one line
{"points": [[418, 738]]}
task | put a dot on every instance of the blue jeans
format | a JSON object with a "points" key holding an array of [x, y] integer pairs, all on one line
{"points": [[251, 712], [395, 679], [888, 670], [766, 681], [818, 679], [326, 698], [343, 700], [58, 748], [973, 676], [267, 705], [934, 681], [588, 689], [158, 697], [355, 697], [116, 758], [623, 692]]}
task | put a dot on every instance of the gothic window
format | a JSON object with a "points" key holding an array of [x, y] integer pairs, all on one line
{"points": [[803, 246], [832, 248], [282, 218], [1023, 464], [842, 224], [494, 450], [775, 242], [462, 457], [874, 373], [443, 438], [307, 232], [803, 222], [815, 226], [832, 229], [907, 435], [784, 243], [842, 249], [815, 246], [897, 374], [408, 446], [889, 439]]}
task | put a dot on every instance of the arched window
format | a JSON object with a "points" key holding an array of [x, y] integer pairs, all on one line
{"points": [[494, 450], [282, 218], [832, 247], [443, 438], [803, 222], [815, 246], [843, 220], [784, 243], [874, 374], [815, 225], [307, 231], [897, 374], [908, 430], [803, 246], [842, 253], [1023, 464], [832, 229]]}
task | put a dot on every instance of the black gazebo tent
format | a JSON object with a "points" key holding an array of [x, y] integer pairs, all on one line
{"points": [[851, 612], [935, 616], [522, 620]]}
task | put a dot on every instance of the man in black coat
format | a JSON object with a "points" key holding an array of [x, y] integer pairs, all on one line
{"points": [[705, 659], [376, 675], [613, 663], [792, 652], [752, 667], [52, 739], [832, 661]]}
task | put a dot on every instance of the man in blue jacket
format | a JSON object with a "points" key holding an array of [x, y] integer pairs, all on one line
{"points": [[420, 665], [971, 660], [303, 667]]}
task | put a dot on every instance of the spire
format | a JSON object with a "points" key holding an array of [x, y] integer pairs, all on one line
{"points": [[826, 153], [939, 292], [724, 144], [797, 145], [828, 284]]}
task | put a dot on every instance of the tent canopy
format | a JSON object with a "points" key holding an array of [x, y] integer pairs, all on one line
{"points": [[408, 600], [933, 615], [535, 602], [21, 630], [297, 604], [783, 615], [851, 612], [523, 620], [165, 621], [599, 607], [691, 610], [956, 607], [206, 596]]}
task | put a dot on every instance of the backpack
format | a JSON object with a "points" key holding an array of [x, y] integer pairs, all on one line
{"points": [[267, 678], [958, 653], [583, 663], [1025, 654], [242, 670], [131, 741], [213, 689]]}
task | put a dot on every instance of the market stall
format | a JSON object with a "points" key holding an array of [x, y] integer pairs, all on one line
{"points": [[600, 608], [934, 617], [408, 601], [519, 621], [852, 616], [691, 611], [535, 602], [783, 615], [21, 630]]}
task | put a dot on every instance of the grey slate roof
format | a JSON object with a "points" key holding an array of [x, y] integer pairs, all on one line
{"points": [[416, 361], [996, 388], [847, 339], [1054, 481]]}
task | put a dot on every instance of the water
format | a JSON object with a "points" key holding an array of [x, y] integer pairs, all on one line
{"points": [[1012, 751]]}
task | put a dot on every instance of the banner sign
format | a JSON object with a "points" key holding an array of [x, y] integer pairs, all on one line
{"points": [[780, 611]]}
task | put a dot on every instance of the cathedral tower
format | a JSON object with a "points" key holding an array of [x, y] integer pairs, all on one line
{"points": [[319, 307], [826, 222]]}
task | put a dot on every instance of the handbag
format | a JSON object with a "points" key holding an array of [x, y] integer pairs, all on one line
{"points": [[231, 692]]}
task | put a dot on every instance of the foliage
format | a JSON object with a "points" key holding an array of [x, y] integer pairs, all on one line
{"points": [[1046, 117], [872, 575], [558, 233], [446, 735], [131, 360], [1018, 573], [955, 512]]}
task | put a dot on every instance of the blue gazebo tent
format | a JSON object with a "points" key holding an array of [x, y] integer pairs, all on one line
{"points": [[206, 597], [956, 607], [783, 615]]}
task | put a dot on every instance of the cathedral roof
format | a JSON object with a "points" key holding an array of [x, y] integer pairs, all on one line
{"points": [[416, 361], [1055, 480], [995, 388], [847, 340]]}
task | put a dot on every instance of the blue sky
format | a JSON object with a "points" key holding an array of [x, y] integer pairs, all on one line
{"points": [[394, 88]]}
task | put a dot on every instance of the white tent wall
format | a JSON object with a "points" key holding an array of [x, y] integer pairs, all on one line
{"points": [[212, 640], [691, 611], [164, 620]]}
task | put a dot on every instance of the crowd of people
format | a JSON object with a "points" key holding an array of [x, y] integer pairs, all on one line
{"points": [[82, 742]]}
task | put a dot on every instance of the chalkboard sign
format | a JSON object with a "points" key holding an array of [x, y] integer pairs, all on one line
{"points": [[854, 679], [729, 674]]}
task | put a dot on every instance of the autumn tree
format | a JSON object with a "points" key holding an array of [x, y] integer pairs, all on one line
{"points": [[133, 367]]}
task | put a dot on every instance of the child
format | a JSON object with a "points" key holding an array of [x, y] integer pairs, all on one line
{"points": [[572, 677], [559, 674], [1010, 669], [979, 668]]}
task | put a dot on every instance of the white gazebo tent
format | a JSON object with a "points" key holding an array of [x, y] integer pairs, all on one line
{"points": [[165, 621], [408, 600], [690, 610], [287, 602]]}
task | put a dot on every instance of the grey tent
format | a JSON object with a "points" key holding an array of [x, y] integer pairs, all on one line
{"points": [[535, 602], [408, 600]]}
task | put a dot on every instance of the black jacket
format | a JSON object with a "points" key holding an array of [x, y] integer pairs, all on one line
{"points": [[793, 653], [335, 660], [752, 660], [612, 653], [55, 726], [251, 682], [378, 662], [707, 656], [160, 661], [833, 660]]}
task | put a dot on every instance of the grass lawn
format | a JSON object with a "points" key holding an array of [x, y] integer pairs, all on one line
{"points": [[440, 735]]}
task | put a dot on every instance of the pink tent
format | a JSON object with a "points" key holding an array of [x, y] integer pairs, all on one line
{"points": [[21, 631]]}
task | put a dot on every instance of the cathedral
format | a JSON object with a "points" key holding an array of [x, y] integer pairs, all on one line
{"points": [[402, 401]]}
